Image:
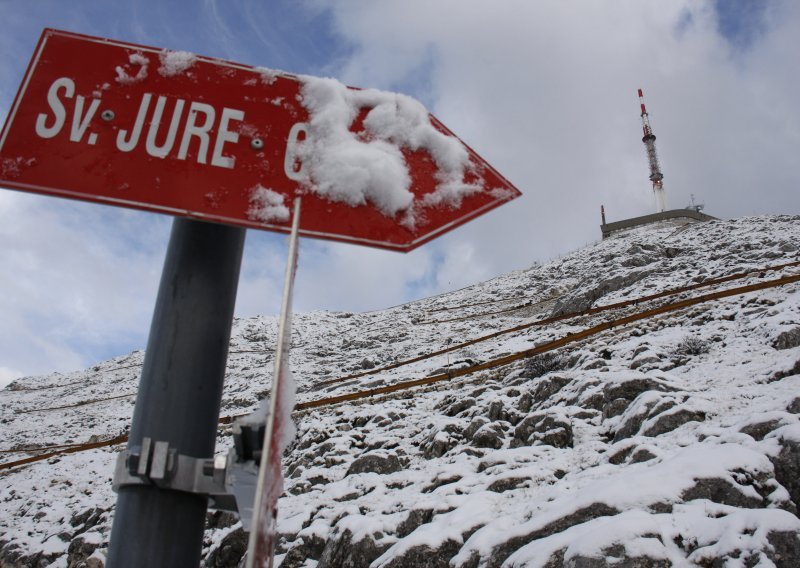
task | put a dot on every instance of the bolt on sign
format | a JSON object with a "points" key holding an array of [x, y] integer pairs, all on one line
{"points": [[171, 132]]}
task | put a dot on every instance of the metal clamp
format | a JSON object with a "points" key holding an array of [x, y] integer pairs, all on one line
{"points": [[158, 464], [229, 482]]}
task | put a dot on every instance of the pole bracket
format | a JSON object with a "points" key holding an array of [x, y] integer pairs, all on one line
{"points": [[229, 482]]}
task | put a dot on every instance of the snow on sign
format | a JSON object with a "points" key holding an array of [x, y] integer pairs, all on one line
{"points": [[172, 132]]}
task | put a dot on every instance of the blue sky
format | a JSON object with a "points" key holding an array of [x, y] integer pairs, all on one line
{"points": [[545, 91]]}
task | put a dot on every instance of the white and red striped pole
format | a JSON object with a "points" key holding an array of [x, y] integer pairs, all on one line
{"points": [[649, 140]]}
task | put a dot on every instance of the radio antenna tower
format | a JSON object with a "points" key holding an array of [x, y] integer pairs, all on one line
{"points": [[649, 140]]}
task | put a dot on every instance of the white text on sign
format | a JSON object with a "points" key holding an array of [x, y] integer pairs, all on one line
{"points": [[200, 119], [197, 128]]}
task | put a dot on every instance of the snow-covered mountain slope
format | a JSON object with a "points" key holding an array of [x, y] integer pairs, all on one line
{"points": [[672, 440]]}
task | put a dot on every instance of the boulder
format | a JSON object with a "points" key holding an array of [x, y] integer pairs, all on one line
{"points": [[376, 462], [415, 519], [230, 550], [508, 484], [544, 428], [79, 551], [308, 547], [548, 387], [669, 421], [787, 468], [341, 552], [424, 556], [587, 293], [499, 553], [646, 406], [477, 423], [787, 339], [759, 430], [489, 436]]}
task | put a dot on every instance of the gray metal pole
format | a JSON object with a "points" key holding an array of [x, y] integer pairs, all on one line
{"points": [[180, 392]]}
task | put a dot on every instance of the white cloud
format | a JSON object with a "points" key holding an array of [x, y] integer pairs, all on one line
{"points": [[7, 376], [76, 280], [348, 277]]}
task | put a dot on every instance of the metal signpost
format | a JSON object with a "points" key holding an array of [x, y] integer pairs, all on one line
{"points": [[261, 546], [179, 396], [197, 138]]}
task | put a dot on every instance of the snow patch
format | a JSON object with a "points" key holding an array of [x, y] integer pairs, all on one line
{"points": [[134, 59], [175, 62], [267, 206], [369, 167], [268, 76]]}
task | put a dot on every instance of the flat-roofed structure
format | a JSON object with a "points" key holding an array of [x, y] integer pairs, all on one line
{"points": [[680, 216]]}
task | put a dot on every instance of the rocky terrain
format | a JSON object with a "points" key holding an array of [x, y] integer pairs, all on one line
{"points": [[668, 440]]}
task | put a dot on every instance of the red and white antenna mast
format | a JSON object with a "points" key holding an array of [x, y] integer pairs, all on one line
{"points": [[649, 140]]}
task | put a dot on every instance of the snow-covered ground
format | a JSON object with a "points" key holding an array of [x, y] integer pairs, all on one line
{"points": [[671, 441]]}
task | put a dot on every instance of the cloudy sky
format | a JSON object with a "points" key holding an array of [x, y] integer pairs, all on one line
{"points": [[545, 91]]}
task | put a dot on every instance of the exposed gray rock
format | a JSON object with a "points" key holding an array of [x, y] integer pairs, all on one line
{"points": [[375, 463], [759, 430], [308, 547], [632, 388], [546, 388], [489, 436], [312, 437], [230, 551], [525, 403], [476, 424], [424, 556], [495, 410], [540, 365], [721, 491], [642, 455], [787, 339], [78, 552], [644, 407], [440, 441], [88, 519], [667, 422], [440, 481], [590, 399], [220, 519], [415, 519], [341, 552], [452, 405], [587, 293], [637, 261], [545, 428], [617, 556], [615, 407], [787, 468], [785, 551], [12, 556], [795, 370], [592, 364], [646, 359], [507, 484], [620, 455], [502, 551]]}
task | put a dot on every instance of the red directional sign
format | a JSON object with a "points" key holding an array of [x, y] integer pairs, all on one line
{"points": [[171, 132]]}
